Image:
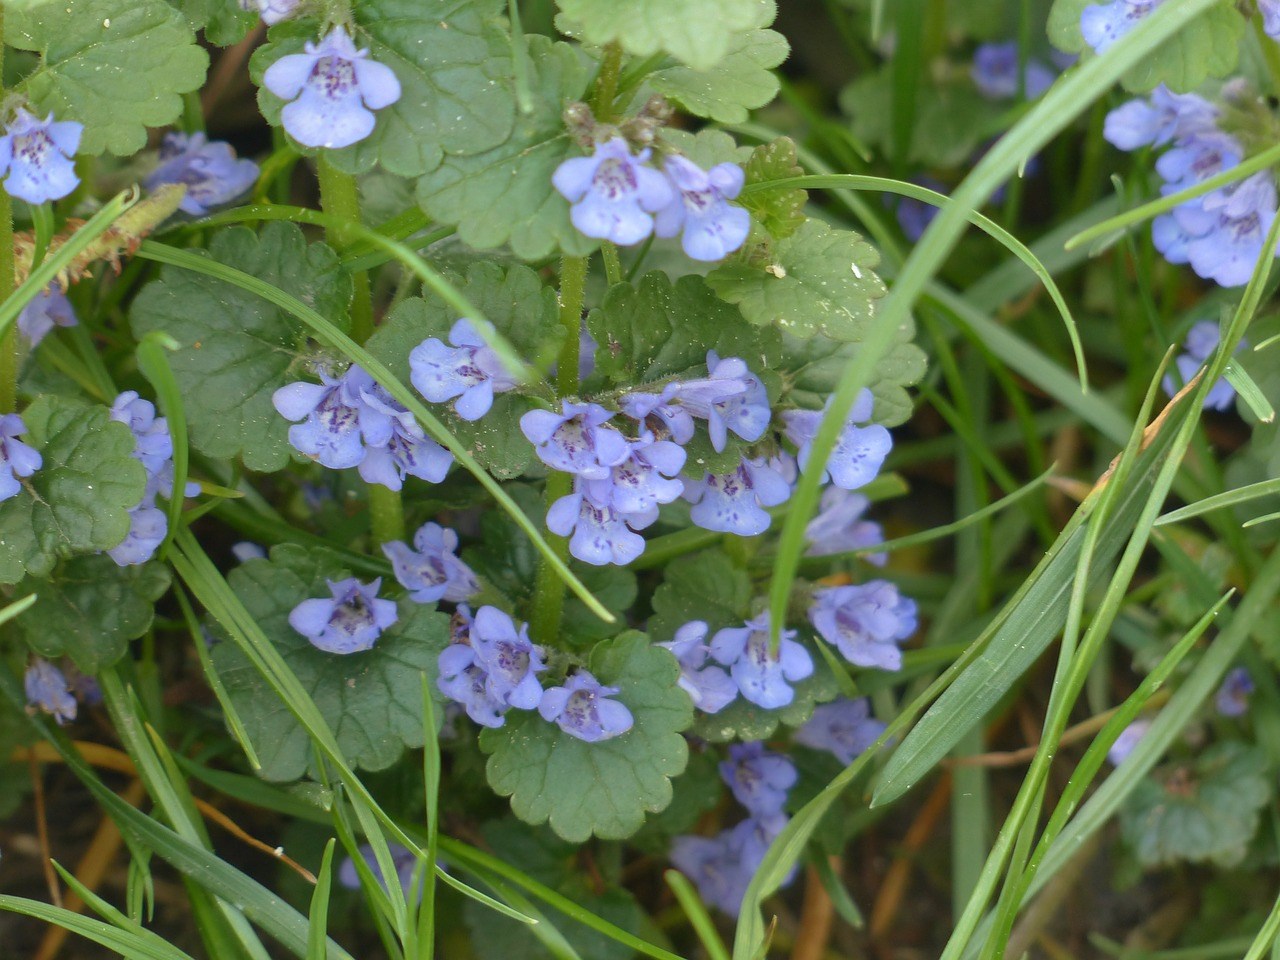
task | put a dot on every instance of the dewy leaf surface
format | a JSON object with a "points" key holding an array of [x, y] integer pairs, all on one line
{"points": [[117, 66], [236, 349], [79, 500], [372, 700], [820, 280], [505, 195], [695, 32], [603, 789], [452, 58], [743, 81], [92, 609]]}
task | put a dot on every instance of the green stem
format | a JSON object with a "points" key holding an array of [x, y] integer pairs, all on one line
{"points": [[548, 598], [340, 198], [606, 86], [612, 263], [9, 340]]}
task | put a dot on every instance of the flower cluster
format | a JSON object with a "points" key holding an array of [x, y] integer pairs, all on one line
{"points": [[36, 157], [1220, 234], [995, 72], [17, 460], [865, 622], [1102, 24], [493, 666], [1232, 698], [431, 571], [332, 90], [349, 621], [208, 169], [1202, 340], [722, 866], [153, 448], [351, 421], [616, 196], [844, 728]]}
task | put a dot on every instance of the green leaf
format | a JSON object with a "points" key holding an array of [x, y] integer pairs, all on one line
{"points": [[743, 81], [952, 119], [504, 195], [236, 349], [696, 32], [812, 369], [452, 59], [92, 609], [224, 22], [524, 310], [657, 330], [117, 66], [820, 280], [702, 586], [603, 788], [1207, 47], [779, 212], [372, 701], [79, 500], [1207, 810]]}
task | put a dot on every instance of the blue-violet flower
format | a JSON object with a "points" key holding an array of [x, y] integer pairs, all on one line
{"points": [[734, 502], [759, 778], [431, 571], [859, 451], [47, 690], [838, 526], [50, 308], [614, 195], [582, 709], [349, 622], [844, 728], [210, 170], [713, 228], [763, 676], [865, 622], [576, 440], [995, 72], [1232, 698], [708, 685], [470, 371], [16, 458], [36, 154], [1102, 24]]}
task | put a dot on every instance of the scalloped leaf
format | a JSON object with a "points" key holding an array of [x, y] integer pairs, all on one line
{"points": [[117, 66], [602, 789], [79, 500], [741, 82], [372, 700]]}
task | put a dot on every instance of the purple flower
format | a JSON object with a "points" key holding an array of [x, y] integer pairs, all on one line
{"points": [[722, 866], [350, 622], [47, 690], [509, 660], [713, 227], [337, 420], [865, 622], [734, 502], [402, 859], [576, 440], [844, 728], [1128, 740], [271, 11], [710, 688], [582, 709], [246, 550], [148, 526], [859, 451], [1270, 10], [470, 371], [995, 72], [758, 778], [333, 90], [1197, 158], [838, 526], [763, 677], [1103, 24], [1155, 121], [1228, 229], [463, 682], [16, 458], [1202, 340], [645, 479], [36, 154], [670, 415], [601, 534], [614, 195], [1232, 699], [730, 398], [409, 452], [431, 571], [210, 170], [50, 308], [914, 216]]}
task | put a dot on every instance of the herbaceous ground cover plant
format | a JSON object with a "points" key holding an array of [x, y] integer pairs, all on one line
{"points": [[593, 479]]}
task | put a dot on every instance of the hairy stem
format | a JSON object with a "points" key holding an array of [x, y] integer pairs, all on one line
{"points": [[606, 86], [548, 599], [340, 198]]}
